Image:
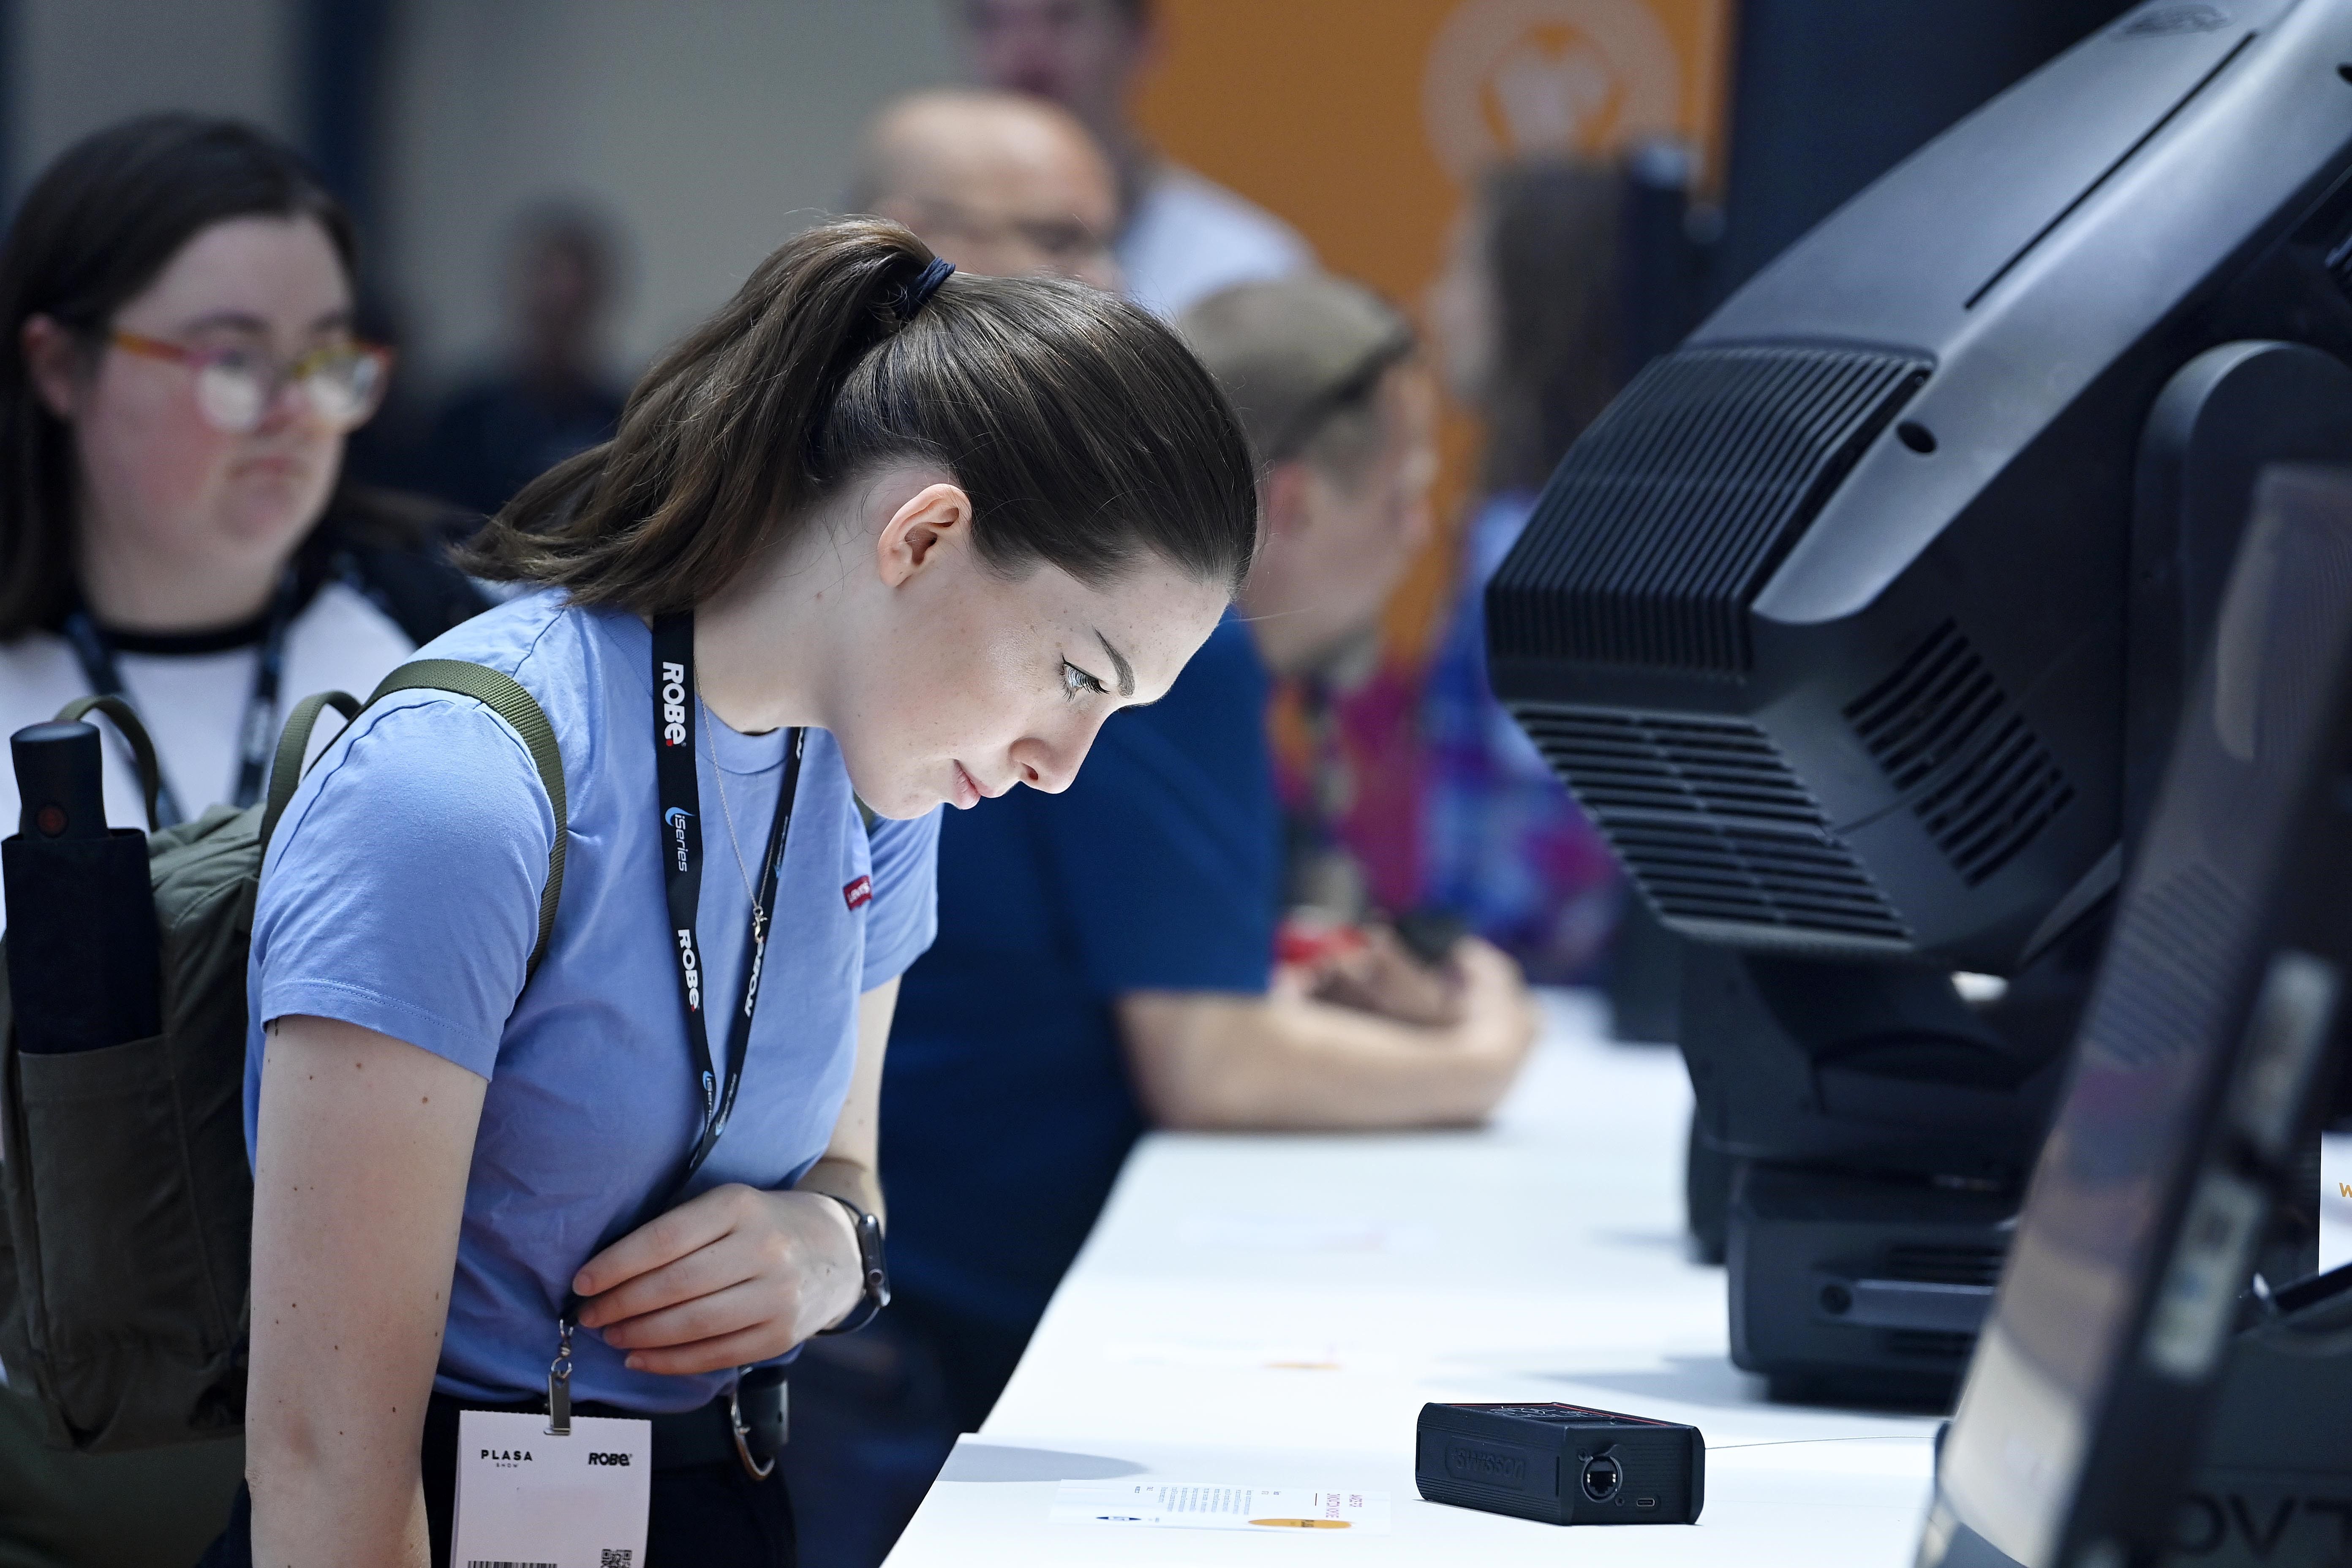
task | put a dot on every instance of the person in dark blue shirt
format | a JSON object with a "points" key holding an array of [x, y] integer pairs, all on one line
{"points": [[498, 433], [1006, 1073], [1106, 957]]}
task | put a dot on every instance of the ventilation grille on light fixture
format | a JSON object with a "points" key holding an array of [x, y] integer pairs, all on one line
{"points": [[1927, 1264], [1666, 517], [1980, 782], [1717, 828]]}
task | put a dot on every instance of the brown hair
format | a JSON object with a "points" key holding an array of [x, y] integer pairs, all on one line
{"points": [[1551, 228], [96, 229], [1086, 434], [1303, 358]]}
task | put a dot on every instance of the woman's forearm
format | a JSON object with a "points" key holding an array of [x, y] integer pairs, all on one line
{"points": [[847, 1169], [848, 1179], [359, 1185]]}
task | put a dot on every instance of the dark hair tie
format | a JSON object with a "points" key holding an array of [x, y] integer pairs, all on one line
{"points": [[918, 293]]}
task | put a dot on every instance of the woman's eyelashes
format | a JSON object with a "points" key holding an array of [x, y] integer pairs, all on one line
{"points": [[1076, 681]]}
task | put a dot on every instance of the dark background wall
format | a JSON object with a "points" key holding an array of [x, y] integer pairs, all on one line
{"points": [[1830, 94]]}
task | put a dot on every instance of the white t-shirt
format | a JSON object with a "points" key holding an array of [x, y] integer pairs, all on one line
{"points": [[1190, 236], [191, 703]]}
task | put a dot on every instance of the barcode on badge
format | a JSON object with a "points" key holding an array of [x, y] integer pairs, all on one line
{"points": [[616, 1557]]}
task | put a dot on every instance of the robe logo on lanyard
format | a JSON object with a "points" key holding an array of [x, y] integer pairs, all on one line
{"points": [[674, 728], [681, 819]]}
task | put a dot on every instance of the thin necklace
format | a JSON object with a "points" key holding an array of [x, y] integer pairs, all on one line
{"points": [[726, 815]]}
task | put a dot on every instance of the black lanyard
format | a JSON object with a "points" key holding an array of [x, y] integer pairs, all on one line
{"points": [[257, 733], [679, 797], [681, 794]]}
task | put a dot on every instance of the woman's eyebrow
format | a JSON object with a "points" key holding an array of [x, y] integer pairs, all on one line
{"points": [[229, 320], [246, 321], [1118, 662]]}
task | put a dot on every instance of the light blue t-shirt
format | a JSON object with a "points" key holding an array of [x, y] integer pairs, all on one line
{"points": [[402, 893]]}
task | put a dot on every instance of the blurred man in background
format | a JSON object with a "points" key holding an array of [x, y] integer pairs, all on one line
{"points": [[552, 398], [1181, 238], [995, 182]]}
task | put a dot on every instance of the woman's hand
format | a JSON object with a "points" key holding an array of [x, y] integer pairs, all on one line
{"points": [[733, 1277]]}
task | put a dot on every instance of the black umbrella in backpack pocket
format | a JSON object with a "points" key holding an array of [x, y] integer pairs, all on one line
{"points": [[83, 950]]}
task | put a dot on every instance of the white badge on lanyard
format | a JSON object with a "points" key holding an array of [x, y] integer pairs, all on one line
{"points": [[527, 1499], [552, 1490]]}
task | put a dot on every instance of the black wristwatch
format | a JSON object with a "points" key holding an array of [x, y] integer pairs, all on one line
{"points": [[877, 1273]]}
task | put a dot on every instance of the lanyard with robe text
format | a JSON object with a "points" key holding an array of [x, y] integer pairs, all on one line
{"points": [[680, 795], [257, 732]]}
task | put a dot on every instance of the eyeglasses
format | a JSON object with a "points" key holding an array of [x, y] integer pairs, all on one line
{"points": [[236, 386], [1065, 245]]}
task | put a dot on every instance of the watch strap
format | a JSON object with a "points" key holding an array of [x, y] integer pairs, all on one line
{"points": [[875, 1273]]}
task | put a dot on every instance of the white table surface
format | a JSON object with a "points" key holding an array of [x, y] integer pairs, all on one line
{"points": [[2334, 1200], [1275, 1310]]}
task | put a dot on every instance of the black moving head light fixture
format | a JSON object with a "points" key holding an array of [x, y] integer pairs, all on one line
{"points": [[1858, 623]]}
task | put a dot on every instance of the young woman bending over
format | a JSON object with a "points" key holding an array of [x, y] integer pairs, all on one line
{"points": [[872, 535]]}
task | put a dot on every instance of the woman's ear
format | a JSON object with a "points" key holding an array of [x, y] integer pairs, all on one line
{"points": [[934, 520], [52, 363], [1287, 498]]}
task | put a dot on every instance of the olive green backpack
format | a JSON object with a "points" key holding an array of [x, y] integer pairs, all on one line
{"points": [[128, 1201]]}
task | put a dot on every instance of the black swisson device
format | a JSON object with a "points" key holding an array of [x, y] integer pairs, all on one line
{"points": [[1560, 1464]]}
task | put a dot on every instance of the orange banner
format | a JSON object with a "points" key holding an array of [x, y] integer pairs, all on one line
{"points": [[1364, 122]]}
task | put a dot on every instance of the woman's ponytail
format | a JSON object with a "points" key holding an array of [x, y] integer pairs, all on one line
{"points": [[1082, 428], [717, 441]]}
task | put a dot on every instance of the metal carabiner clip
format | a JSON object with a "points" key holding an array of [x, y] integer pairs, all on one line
{"points": [[558, 1383], [752, 1466]]}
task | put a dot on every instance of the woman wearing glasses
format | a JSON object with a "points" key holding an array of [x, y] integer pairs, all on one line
{"points": [[179, 376]]}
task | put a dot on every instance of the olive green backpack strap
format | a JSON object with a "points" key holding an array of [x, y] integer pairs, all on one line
{"points": [[494, 690], [293, 743], [143, 750], [504, 695]]}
